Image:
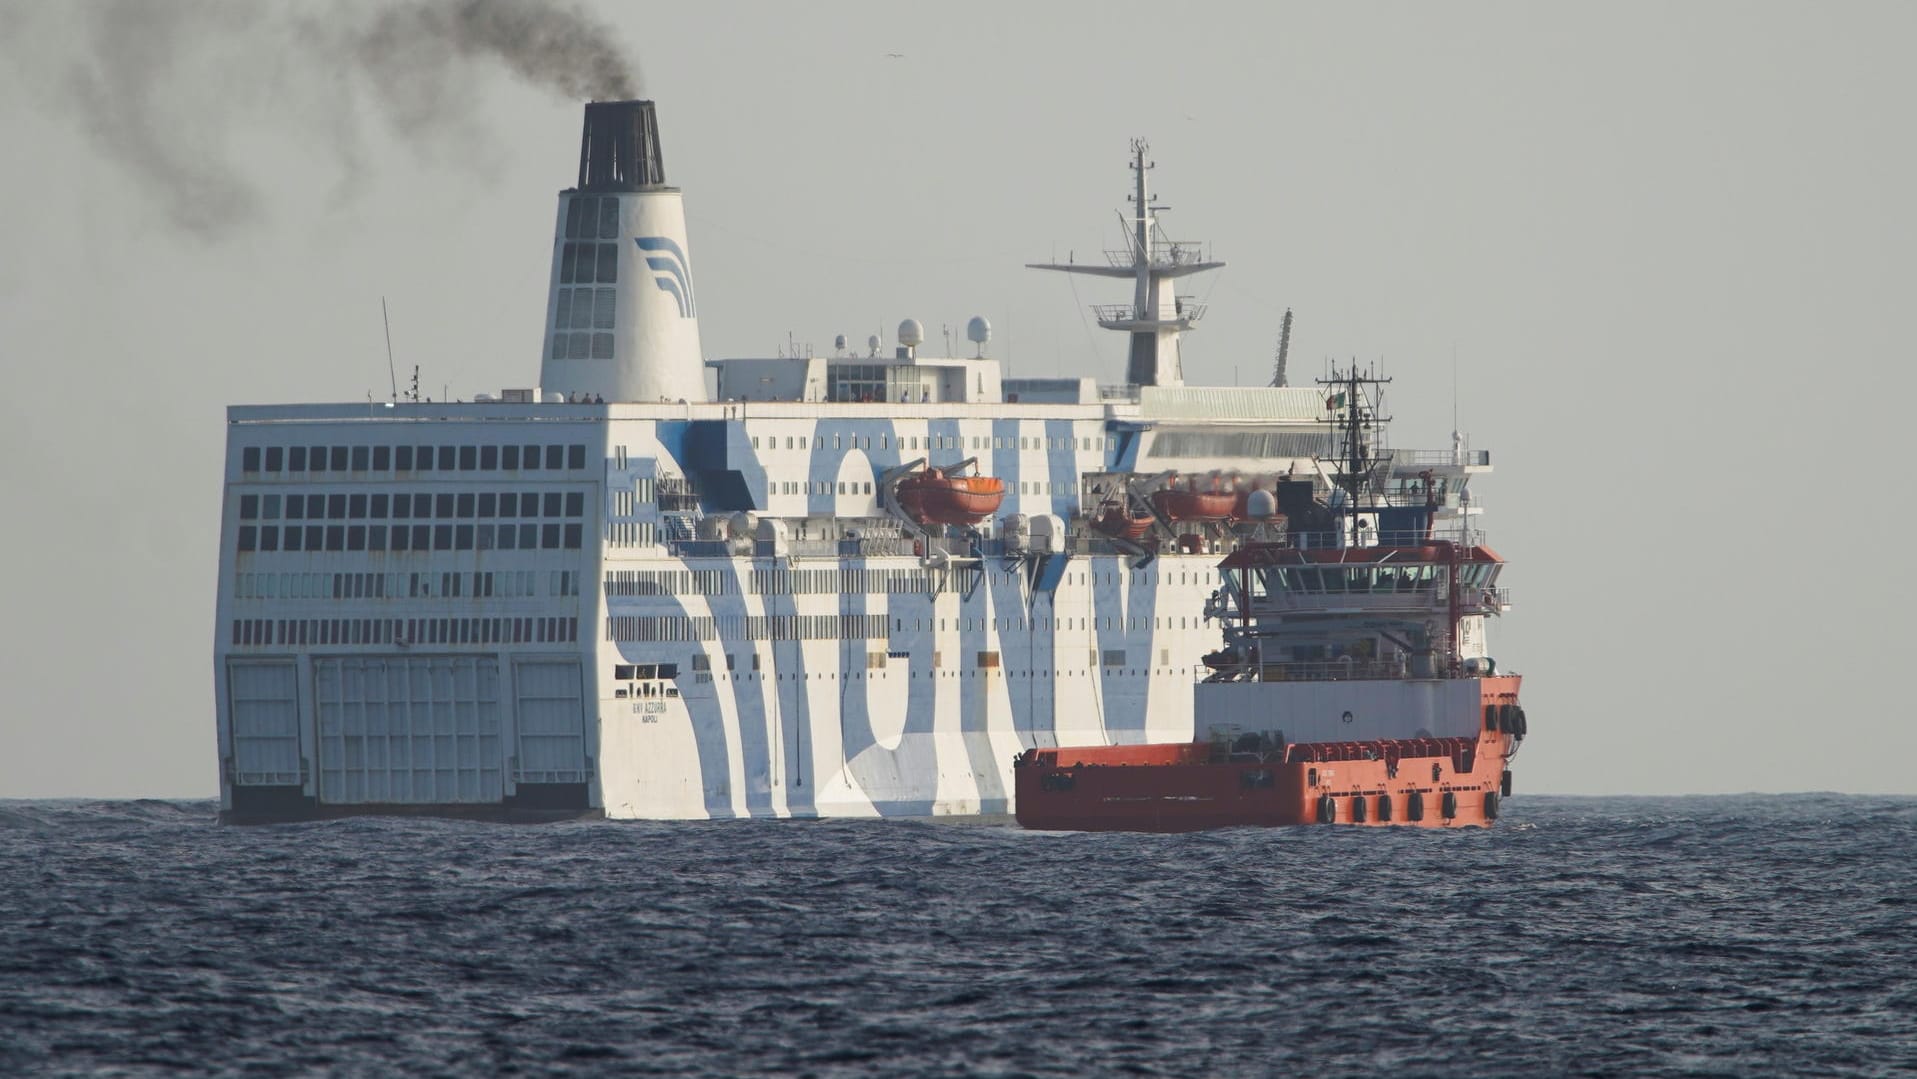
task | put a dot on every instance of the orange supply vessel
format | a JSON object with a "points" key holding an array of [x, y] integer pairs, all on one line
{"points": [[1353, 686]]}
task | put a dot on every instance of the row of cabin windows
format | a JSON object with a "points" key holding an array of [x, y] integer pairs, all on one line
{"points": [[630, 672], [485, 584], [1347, 579], [825, 487], [463, 504], [284, 632], [705, 677], [936, 442], [412, 458], [485, 537]]}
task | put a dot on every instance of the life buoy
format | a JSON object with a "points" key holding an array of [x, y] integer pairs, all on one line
{"points": [[1490, 805], [1449, 807], [1358, 809], [1414, 806], [1327, 809]]}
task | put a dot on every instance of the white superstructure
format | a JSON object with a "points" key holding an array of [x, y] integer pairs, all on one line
{"points": [[611, 594]]}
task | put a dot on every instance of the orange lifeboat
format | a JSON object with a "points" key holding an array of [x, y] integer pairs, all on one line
{"points": [[1113, 520], [932, 497], [1188, 505]]}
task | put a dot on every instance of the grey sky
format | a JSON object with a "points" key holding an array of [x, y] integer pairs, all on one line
{"points": [[1671, 245]]}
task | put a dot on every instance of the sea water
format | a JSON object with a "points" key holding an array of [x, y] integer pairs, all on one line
{"points": [[1624, 936]]}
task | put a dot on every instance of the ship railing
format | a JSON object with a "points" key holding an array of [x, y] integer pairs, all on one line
{"points": [[846, 547], [1378, 603], [1344, 669], [699, 548], [1187, 307], [268, 779], [1428, 458], [1164, 253]]}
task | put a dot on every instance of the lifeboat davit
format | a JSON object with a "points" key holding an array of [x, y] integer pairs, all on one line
{"points": [[932, 497], [1113, 520], [1179, 504]]}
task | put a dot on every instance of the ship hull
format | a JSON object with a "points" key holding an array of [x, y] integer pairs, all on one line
{"points": [[1421, 782], [1060, 791]]}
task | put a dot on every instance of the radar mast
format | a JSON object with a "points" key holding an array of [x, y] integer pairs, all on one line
{"points": [[1157, 315]]}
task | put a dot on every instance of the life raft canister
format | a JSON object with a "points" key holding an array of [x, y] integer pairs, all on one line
{"points": [[1327, 809]]}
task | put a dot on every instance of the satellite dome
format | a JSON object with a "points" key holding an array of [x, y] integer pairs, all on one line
{"points": [[911, 334], [838, 343], [978, 331]]}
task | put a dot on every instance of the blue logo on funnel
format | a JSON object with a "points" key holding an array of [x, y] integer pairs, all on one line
{"points": [[669, 271]]}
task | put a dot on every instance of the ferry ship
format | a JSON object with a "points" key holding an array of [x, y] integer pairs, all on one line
{"points": [[661, 586]]}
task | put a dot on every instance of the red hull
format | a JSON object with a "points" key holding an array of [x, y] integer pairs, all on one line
{"points": [[1076, 790], [1190, 786]]}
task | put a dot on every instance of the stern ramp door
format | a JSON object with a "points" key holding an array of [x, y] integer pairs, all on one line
{"points": [[414, 730], [551, 720], [263, 699]]}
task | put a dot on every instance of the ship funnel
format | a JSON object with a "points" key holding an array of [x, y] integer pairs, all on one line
{"points": [[622, 319], [620, 148]]}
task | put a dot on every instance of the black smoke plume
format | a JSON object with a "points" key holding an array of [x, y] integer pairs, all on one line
{"points": [[171, 91]]}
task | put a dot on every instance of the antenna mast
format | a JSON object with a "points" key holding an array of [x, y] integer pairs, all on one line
{"points": [[387, 322], [1284, 350], [1354, 411]]}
